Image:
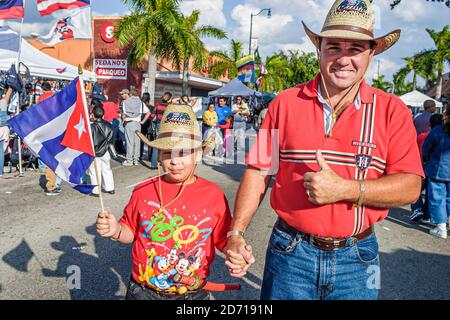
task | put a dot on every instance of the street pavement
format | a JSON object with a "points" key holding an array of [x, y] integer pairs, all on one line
{"points": [[45, 240]]}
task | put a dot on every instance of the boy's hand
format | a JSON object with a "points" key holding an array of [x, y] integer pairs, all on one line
{"points": [[239, 256], [106, 224]]}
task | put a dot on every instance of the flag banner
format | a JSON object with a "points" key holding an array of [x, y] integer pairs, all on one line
{"points": [[11, 9], [76, 25], [19, 257], [262, 69], [259, 82], [58, 131], [46, 7], [246, 69]]}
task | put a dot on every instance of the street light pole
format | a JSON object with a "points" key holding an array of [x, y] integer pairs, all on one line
{"points": [[269, 14]]}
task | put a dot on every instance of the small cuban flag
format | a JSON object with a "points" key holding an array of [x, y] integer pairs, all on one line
{"points": [[58, 130]]}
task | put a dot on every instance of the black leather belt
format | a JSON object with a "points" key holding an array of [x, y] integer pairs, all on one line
{"points": [[328, 244]]}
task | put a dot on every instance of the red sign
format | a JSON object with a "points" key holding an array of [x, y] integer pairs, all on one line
{"points": [[108, 32]]}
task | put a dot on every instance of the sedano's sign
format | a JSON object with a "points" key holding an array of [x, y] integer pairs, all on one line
{"points": [[108, 32], [111, 68]]}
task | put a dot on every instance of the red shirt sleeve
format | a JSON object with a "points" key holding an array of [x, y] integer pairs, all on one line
{"points": [[130, 215], [223, 223], [264, 153], [403, 151]]}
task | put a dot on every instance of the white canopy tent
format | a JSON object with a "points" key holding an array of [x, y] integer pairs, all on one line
{"points": [[416, 99], [40, 64]]}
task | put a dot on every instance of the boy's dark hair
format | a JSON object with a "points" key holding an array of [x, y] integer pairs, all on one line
{"points": [[436, 119], [167, 96], [46, 86], [96, 103], [145, 97], [98, 112]]}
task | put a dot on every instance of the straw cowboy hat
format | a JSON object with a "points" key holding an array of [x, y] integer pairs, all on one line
{"points": [[353, 19], [178, 130]]}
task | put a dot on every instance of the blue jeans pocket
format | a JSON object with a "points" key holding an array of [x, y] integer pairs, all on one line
{"points": [[282, 242], [367, 250]]}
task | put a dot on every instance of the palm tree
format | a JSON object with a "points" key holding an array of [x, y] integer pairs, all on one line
{"points": [[225, 61], [440, 55], [381, 84], [420, 65], [190, 45], [304, 65], [278, 73], [150, 30]]}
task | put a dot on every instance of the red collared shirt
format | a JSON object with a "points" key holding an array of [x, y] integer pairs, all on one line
{"points": [[367, 142]]}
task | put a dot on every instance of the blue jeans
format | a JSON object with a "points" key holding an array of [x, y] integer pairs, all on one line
{"points": [[439, 200], [297, 270], [2, 157]]}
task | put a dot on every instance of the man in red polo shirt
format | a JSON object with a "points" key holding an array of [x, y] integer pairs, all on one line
{"points": [[342, 152]]}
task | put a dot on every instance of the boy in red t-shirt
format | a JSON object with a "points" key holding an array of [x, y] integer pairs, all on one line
{"points": [[175, 222], [227, 136]]}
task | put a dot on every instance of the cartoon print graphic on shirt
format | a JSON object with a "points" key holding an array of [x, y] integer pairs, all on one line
{"points": [[174, 251]]}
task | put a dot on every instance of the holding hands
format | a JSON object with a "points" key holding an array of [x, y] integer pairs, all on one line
{"points": [[239, 256]]}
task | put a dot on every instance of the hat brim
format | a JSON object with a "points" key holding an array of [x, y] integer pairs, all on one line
{"points": [[171, 143], [382, 43]]}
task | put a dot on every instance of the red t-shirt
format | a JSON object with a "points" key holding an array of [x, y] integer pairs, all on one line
{"points": [[174, 249], [111, 111], [421, 139], [376, 139], [44, 96]]}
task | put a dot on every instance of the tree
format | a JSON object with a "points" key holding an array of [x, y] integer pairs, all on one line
{"points": [[191, 46], [225, 61], [278, 73], [381, 84], [150, 29], [440, 55], [419, 64], [304, 65]]}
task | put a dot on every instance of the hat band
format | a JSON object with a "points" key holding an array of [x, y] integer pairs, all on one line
{"points": [[349, 28], [179, 135]]}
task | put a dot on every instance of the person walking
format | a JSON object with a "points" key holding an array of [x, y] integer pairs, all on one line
{"points": [[422, 121], [102, 136], [436, 155], [166, 99], [132, 110], [342, 152]]}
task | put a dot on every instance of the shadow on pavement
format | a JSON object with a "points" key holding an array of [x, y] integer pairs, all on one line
{"points": [[97, 277], [407, 274], [401, 217], [219, 274]]}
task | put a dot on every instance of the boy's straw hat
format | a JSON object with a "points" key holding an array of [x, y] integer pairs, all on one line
{"points": [[178, 130], [353, 19]]}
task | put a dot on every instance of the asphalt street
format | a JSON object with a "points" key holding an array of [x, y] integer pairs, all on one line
{"points": [[45, 240]]}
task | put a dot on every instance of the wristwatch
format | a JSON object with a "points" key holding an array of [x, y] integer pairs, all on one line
{"points": [[235, 233]]}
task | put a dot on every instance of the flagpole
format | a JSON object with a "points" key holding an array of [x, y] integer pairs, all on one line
{"points": [[19, 140], [80, 72]]}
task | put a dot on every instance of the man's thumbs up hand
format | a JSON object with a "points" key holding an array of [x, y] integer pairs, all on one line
{"points": [[325, 186], [321, 161]]}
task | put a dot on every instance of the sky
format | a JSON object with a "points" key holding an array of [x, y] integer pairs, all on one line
{"points": [[283, 31]]}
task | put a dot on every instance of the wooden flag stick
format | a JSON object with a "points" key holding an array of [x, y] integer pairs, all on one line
{"points": [[99, 185]]}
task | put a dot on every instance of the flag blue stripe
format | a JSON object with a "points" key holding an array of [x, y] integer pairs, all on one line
{"points": [[37, 116], [50, 149], [84, 188], [10, 3], [79, 167]]}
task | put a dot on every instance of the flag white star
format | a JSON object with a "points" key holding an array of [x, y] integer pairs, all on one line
{"points": [[80, 127]]}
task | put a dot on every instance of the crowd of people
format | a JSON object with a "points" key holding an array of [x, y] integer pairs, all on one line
{"points": [[113, 127], [433, 139]]}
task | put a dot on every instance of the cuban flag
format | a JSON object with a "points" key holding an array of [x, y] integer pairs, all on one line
{"points": [[58, 130], [262, 69], [11, 9], [46, 7]]}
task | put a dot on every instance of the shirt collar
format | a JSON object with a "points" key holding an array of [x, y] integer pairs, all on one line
{"points": [[365, 93]]}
